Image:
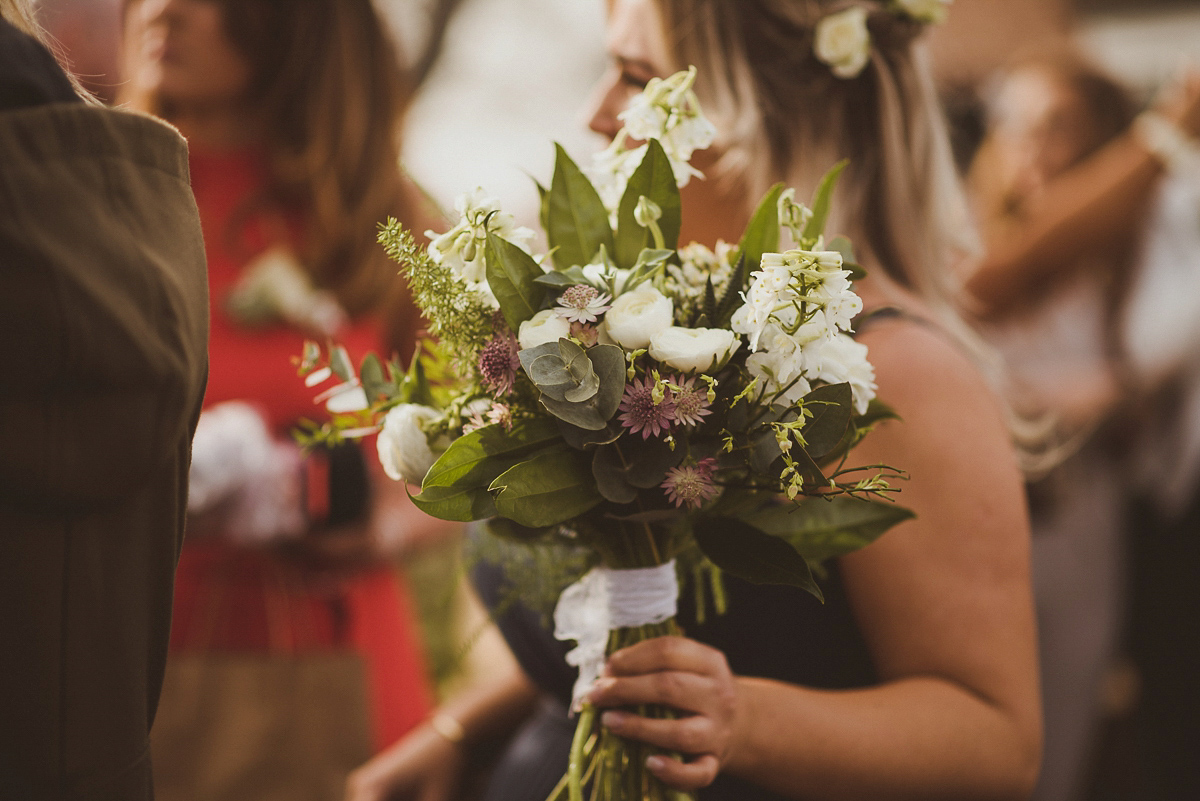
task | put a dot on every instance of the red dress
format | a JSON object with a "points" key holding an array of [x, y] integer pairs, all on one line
{"points": [[238, 599]]}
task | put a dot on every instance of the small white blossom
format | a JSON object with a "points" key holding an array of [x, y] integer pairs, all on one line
{"points": [[462, 247], [845, 360], [843, 42]]}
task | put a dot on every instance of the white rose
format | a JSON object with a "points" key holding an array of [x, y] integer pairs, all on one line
{"points": [[637, 316], [403, 447], [845, 360], [693, 350], [931, 11], [545, 326], [843, 42]]}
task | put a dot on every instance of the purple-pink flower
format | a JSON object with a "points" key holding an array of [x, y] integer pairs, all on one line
{"points": [[692, 485], [498, 362], [691, 402], [641, 413]]}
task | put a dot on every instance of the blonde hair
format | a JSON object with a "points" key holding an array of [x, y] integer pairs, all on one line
{"points": [[20, 14], [782, 114]]}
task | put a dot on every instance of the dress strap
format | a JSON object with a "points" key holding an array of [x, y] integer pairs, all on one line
{"points": [[880, 313]]}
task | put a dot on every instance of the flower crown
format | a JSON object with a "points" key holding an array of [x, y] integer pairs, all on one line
{"points": [[842, 41]]}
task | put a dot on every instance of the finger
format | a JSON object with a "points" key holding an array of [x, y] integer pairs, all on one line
{"points": [[693, 775], [667, 653], [694, 734], [686, 691]]}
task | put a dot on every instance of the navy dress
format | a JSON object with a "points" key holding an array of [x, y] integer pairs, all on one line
{"points": [[770, 632]]}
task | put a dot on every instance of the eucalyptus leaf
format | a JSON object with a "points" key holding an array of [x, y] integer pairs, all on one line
{"points": [[552, 487], [512, 275], [820, 528], [744, 551], [655, 179], [822, 200], [576, 220], [374, 383], [762, 232], [339, 362]]}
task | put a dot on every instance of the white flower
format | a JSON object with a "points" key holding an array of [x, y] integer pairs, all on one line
{"points": [[462, 247], [928, 11], [403, 446], [643, 118], [637, 316], [694, 350], [545, 326], [845, 360], [843, 42]]}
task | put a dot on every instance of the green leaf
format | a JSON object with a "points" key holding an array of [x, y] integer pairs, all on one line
{"points": [[508, 530], [731, 298], [552, 487], [512, 274], [655, 179], [462, 505], [821, 202], [543, 205], [475, 459], [742, 550], [762, 233], [831, 407], [612, 478], [844, 246], [417, 383], [374, 383], [649, 460], [583, 438], [339, 362], [821, 529], [576, 220]]}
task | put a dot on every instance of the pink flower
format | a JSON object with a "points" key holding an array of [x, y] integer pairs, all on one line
{"points": [[498, 363], [587, 334], [500, 414], [691, 402], [692, 485], [582, 304], [641, 413]]}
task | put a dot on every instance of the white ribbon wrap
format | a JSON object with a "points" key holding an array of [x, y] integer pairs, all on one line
{"points": [[607, 599]]}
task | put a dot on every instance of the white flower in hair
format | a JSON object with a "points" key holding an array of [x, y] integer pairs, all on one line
{"points": [[932, 12], [843, 42]]}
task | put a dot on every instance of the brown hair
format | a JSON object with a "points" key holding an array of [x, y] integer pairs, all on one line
{"points": [[330, 92], [783, 114]]}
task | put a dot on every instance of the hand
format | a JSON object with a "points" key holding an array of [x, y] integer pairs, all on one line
{"points": [[686, 675], [1182, 103], [424, 766]]}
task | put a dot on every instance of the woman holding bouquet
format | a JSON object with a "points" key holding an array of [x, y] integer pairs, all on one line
{"points": [[918, 677], [292, 112]]}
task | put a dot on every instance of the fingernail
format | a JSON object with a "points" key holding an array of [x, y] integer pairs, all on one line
{"points": [[613, 719], [655, 763], [599, 687]]}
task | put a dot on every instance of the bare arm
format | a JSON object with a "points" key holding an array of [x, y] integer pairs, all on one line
{"points": [[944, 602], [1098, 204]]}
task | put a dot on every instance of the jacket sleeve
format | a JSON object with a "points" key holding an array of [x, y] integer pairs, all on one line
{"points": [[103, 305]]}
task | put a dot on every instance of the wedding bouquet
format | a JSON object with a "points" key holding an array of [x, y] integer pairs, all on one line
{"points": [[678, 411]]}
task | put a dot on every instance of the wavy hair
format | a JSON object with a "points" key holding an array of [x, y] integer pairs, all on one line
{"points": [[331, 95]]}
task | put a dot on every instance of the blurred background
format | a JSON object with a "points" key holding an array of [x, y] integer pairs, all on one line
{"points": [[498, 80]]}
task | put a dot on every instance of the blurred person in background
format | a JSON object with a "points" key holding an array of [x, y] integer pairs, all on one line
{"points": [[1091, 286], [294, 652], [917, 678], [103, 332]]}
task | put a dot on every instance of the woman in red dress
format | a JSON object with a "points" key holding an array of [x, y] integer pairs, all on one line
{"points": [[292, 113]]}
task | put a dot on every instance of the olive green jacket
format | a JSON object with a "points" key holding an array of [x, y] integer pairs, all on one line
{"points": [[103, 359]]}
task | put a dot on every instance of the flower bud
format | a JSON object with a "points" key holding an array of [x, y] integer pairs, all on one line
{"points": [[646, 212]]}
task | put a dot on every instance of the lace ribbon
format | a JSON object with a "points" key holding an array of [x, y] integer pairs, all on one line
{"points": [[607, 599]]}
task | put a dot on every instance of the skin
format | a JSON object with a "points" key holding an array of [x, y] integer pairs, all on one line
{"points": [[179, 49], [1098, 204], [943, 601]]}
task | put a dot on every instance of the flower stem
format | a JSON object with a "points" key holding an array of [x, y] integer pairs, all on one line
{"points": [[587, 717]]}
